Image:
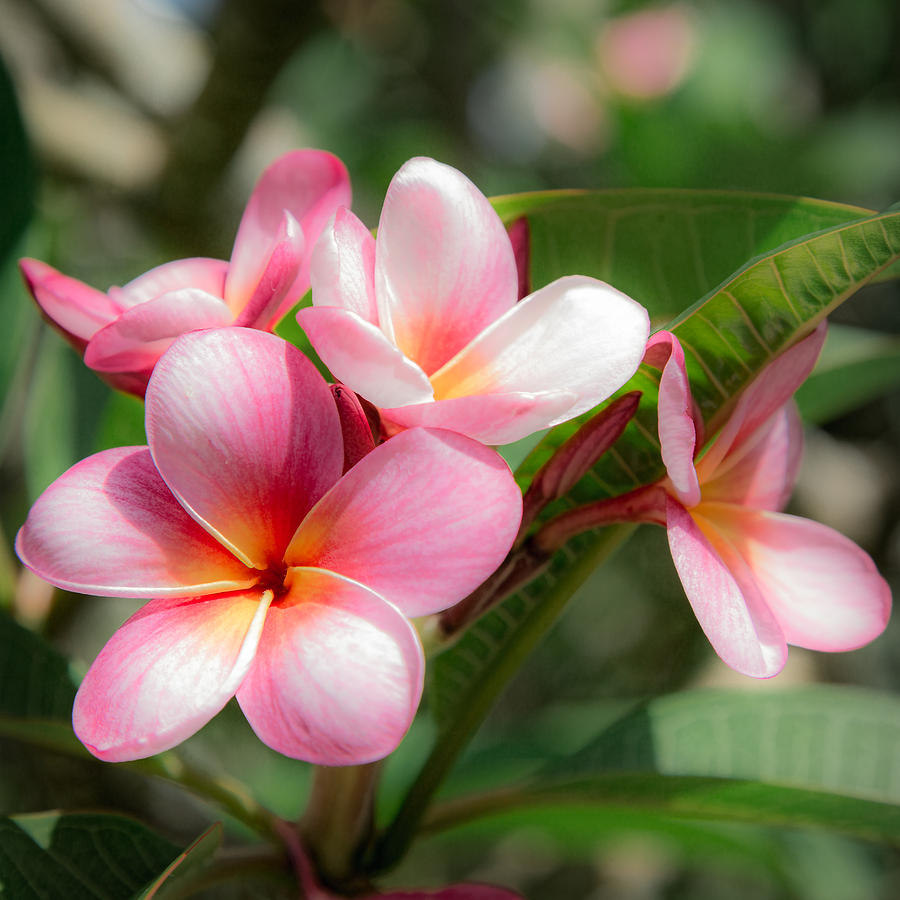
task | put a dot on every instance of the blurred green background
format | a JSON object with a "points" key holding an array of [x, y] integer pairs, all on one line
{"points": [[148, 122]]}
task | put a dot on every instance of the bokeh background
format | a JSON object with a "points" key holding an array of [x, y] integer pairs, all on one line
{"points": [[148, 122]]}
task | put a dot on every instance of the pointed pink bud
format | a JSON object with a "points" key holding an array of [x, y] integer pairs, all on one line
{"points": [[355, 428]]}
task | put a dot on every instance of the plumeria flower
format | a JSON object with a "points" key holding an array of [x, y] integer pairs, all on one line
{"points": [[756, 578], [424, 321], [270, 575], [124, 331]]}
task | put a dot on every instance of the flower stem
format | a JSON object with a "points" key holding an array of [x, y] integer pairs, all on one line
{"points": [[339, 820]]}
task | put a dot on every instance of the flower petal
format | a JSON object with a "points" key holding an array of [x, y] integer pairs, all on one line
{"points": [[244, 431], [77, 310], [359, 355], [490, 418], [166, 672], [576, 334], [444, 265], [138, 337], [198, 272], [310, 185], [342, 270], [263, 308], [426, 501], [761, 471], [768, 392], [677, 431], [723, 596], [338, 673], [824, 590], [110, 526]]}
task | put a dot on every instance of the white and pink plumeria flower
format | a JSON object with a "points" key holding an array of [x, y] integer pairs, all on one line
{"points": [[270, 574], [124, 331], [758, 579], [424, 321]]}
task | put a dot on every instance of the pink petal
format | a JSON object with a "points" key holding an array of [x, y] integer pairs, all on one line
{"points": [[138, 337], [110, 526], [245, 433], [342, 270], [490, 418], [423, 519], [359, 355], [355, 428], [444, 266], [723, 595], [677, 433], [769, 391], [576, 334], [77, 310], [310, 185], [200, 273], [277, 278], [338, 674], [824, 590], [166, 672], [761, 471]]}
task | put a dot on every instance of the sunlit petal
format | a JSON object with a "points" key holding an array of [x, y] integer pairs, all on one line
{"points": [[110, 526], [338, 673], [359, 355], [824, 590], [310, 185], [138, 337], [722, 593], [342, 270], [245, 432], [576, 334], [166, 672], [490, 418], [423, 519], [761, 471], [76, 309], [444, 265]]}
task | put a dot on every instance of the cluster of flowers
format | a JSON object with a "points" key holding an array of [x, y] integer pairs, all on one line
{"points": [[284, 547]]}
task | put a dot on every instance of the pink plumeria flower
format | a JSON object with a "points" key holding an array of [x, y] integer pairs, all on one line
{"points": [[424, 321], [756, 578], [124, 331], [272, 576]]}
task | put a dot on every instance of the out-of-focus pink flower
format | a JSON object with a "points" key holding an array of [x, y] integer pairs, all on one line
{"points": [[646, 54], [124, 331], [756, 578], [423, 322], [273, 576]]}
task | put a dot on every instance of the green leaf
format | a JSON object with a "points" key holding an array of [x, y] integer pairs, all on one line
{"points": [[825, 757], [664, 248], [856, 367], [80, 855], [688, 797], [289, 329], [34, 678], [186, 864], [823, 737]]}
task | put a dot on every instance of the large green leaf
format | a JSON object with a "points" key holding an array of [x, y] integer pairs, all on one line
{"points": [[824, 756], [665, 248], [729, 336], [80, 855]]}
